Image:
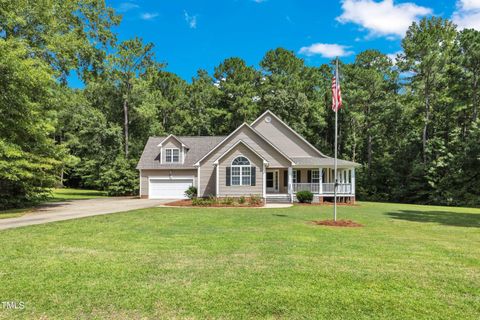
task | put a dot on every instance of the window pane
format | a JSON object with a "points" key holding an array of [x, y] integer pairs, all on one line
{"points": [[168, 155], [235, 181], [315, 176], [240, 161], [245, 175], [235, 171], [176, 155]]}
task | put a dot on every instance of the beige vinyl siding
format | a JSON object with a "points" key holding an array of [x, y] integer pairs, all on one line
{"points": [[283, 138], [236, 191], [169, 144], [247, 135], [145, 174]]}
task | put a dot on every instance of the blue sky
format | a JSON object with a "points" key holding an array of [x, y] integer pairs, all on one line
{"points": [[189, 35]]}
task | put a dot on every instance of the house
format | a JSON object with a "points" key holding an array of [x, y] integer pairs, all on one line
{"points": [[266, 158]]}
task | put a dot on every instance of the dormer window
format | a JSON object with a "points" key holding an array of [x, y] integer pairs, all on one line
{"points": [[172, 155]]}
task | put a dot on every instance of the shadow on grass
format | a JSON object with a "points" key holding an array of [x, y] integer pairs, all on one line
{"points": [[448, 218]]}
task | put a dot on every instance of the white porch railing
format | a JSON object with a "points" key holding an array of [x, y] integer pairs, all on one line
{"points": [[327, 188], [342, 188], [312, 187]]}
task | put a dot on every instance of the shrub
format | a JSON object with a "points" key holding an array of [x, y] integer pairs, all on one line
{"points": [[304, 196], [191, 192], [241, 200], [227, 201], [255, 200], [203, 201]]}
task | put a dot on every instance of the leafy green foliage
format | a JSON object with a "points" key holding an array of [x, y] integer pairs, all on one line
{"points": [[304, 196], [191, 192], [120, 178]]}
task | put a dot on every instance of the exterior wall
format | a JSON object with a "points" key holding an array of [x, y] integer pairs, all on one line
{"points": [[284, 138], [145, 174], [236, 191], [171, 143], [207, 168]]}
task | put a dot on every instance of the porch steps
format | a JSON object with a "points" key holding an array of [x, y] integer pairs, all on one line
{"points": [[278, 198]]}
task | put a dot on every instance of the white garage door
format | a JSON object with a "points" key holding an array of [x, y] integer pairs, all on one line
{"points": [[168, 189]]}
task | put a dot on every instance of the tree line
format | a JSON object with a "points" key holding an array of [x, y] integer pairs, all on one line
{"points": [[412, 122]]}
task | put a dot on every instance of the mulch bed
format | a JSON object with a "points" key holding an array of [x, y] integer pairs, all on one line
{"points": [[338, 223], [326, 204], [188, 203]]}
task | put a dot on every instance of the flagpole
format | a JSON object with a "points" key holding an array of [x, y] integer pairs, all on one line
{"points": [[335, 159]]}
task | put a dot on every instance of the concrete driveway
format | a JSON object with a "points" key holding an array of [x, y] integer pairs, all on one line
{"points": [[58, 211]]}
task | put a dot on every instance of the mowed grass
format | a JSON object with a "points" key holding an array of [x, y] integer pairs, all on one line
{"points": [[64, 194], [407, 262]]}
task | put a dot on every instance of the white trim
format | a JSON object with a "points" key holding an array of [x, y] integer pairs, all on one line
{"points": [[264, 181], [170, 177], [217, 179], [170, 136], [290, 183], [286, 125], [353, 181], [140, 180], [247, 146], [198, 182], [276, 178], [231, 134]]}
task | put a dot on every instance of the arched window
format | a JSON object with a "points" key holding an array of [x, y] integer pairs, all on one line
{"points": [[241, 172]]}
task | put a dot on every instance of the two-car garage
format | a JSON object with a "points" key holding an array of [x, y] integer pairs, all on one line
{"points": [[168, 188]]}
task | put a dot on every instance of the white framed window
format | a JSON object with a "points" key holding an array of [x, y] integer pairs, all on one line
{"points": [[315, 176], [172, 155], [240, 172]]}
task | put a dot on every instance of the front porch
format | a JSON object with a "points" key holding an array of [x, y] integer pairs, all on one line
{"points": [[286, 182]]}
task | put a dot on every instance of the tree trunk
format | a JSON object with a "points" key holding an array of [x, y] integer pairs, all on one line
{"points": [[425, 127], [475, 98], [125, 124]]}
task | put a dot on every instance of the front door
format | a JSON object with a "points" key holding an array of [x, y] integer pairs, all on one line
{"points": [[272, 181]]}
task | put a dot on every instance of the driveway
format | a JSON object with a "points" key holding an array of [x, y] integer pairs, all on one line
{"points": [[73, 209]]}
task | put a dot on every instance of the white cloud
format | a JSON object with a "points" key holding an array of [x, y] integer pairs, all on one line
{"points": [[467, 14], [469, 4], [127, 6], [191, 20], [326, 50], [382, 18], [148, 15]]}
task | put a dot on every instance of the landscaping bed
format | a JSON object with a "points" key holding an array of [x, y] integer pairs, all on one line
{"points": [[338, 223], [227, 202]]}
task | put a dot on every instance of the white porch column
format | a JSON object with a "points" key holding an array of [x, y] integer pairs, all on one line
{"points": [[353, 181], [320, 180], [264, 174], [290, 185]]}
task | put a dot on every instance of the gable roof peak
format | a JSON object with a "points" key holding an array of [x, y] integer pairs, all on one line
{"points": [[175, 137]]}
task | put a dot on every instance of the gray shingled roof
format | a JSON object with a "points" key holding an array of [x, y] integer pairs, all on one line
{"points": [[199, 146], [317, 161]]}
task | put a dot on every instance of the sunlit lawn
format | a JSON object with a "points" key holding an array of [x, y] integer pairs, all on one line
{"points": [[408, 262], [63, 194]]}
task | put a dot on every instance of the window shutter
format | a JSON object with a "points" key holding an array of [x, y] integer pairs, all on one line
{"points": [[285, 178], [227, 176], [309, 176], [299, 176], [253, 176]]}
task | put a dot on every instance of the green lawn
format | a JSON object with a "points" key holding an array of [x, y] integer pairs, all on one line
{"points": [[63, 194], [408, 262]]}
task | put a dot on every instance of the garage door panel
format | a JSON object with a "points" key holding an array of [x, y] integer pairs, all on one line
{"points": [[168, 189]]}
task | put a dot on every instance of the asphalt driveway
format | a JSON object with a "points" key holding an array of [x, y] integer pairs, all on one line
{"points": [[73, 209]]}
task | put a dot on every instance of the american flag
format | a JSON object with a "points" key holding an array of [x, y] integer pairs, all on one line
{"points": [[336, 93]]}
